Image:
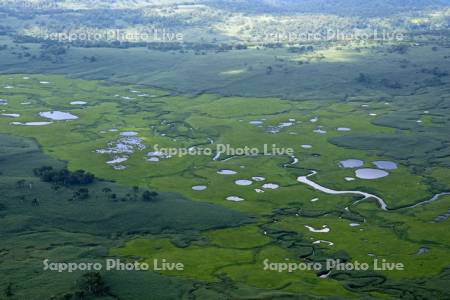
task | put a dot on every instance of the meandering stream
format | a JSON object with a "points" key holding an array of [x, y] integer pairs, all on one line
{"points": [[305, 180], [435, 197], [381, 202]]}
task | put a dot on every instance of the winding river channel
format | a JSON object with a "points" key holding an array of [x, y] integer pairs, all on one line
{"points": [[381, 202], [306, 180]]}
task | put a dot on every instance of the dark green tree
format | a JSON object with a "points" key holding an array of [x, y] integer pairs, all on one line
{"points": [[8, 290], [20, 183], [106, 190], [93, 284], [148, 196]]}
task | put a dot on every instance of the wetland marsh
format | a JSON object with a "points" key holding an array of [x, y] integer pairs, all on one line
{"points": [[108, 138], [231, 162]]}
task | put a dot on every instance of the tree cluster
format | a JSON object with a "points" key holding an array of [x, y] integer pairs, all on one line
{"points": [[64, 176]]}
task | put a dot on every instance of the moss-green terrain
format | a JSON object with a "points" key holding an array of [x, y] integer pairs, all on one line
{"points": [[223, 244]]}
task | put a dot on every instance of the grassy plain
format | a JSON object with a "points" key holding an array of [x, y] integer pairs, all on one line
{"points": [[278, 230]]}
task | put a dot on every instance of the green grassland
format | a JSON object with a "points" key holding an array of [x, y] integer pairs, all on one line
{"points": [[326, 74], [222, 260], [56, 227]]}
